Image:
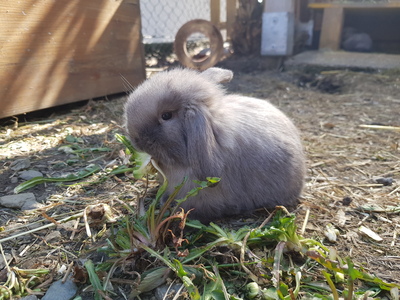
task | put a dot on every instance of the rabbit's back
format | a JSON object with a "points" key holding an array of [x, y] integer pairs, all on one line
{"points": [[263, 166]]}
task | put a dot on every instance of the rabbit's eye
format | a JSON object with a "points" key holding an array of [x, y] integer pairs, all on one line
{"points": [[166, 116]]}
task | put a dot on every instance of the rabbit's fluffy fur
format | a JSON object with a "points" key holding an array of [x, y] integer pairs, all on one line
{"points": [[187, 123]]}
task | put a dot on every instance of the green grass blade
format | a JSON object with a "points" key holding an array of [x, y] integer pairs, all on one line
{"points": [[94, 279], [89, 170], [191, 288], [197, 252], [154, 253], [177, 267], [140, 160], [126, 142], [334, 291], [153, 279]]}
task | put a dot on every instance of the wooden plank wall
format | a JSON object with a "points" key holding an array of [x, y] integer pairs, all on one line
{"points": [[57, 52]]}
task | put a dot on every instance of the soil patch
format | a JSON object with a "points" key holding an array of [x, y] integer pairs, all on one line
{"points": [[353, 171]]}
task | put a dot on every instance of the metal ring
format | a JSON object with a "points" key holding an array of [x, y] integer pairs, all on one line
{"points": [[216, 44]]}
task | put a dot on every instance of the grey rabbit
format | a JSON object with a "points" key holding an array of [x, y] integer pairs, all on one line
{"points": [[191, 127], [354, 40]]}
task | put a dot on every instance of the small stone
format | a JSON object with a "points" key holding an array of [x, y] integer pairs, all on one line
{"points": [[2, 262], [25, 201], [30, 297], [161, 291], [20, 164], [386, 181], [61, 291], [40, 166], [14, 180], [29, 174], [346, 201], [53, 236]]}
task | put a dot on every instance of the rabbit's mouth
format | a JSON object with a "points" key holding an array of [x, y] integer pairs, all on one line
{"points": [[136, 144], [172, 155], [143, 147], [148, 146]]}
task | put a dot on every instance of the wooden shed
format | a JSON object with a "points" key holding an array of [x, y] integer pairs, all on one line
{"points": [[56, 52], [379, 19]]}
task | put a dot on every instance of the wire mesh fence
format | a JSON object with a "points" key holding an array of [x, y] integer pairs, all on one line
{"points": [[161, 20]]}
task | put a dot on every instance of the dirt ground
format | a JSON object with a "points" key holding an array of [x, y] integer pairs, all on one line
{"points": [[353, 171]]}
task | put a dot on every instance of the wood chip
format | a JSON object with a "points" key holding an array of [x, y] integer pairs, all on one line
{"points": [[331, 233], [340, 217], [371, 234], [380, 127]]}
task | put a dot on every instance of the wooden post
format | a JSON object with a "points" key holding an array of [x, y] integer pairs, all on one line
{"points": [[231, 7], [215, 12], [332, 25], [279, 6], [277, 37]]}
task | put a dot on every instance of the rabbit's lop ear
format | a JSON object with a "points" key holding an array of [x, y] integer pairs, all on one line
{"points": [[218, 75], [201, 145]]}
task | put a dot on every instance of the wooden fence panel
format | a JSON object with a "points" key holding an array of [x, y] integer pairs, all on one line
{"points": [[55, 52]]}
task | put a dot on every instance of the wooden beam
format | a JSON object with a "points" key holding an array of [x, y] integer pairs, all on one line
{"points": [[332, 25], [215, 12], [354, 5], [231, 8], [279, 6]]}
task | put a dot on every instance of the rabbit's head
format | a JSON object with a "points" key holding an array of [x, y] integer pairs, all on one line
{"points": [[168, 117]]}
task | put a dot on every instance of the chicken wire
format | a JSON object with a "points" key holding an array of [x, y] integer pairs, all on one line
{"points": [[161, 20]]}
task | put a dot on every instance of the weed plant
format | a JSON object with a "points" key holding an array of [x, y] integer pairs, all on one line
{"points": [[266, 261]]}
